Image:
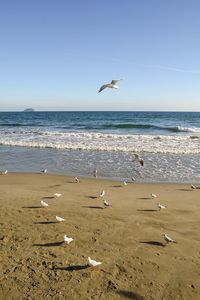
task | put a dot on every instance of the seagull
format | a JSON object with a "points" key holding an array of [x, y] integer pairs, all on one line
{"points": [[132, 179], [44, 204], [112, 85], [193, 187], [168, 239], [125, 183], [153, 196], [57, 195], [102, 194], [76, 179], [59, 219], [95, 173], [93, 263], [138, 159], [4, 172], [43, 171], [160, 206], [67, 239], [106, 204]]}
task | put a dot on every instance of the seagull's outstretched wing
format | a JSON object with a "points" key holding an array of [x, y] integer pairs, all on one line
{"points": [[103, 87], [114, 81]]}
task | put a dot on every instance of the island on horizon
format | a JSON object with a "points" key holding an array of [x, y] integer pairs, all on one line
{"points": [[29, 110]]}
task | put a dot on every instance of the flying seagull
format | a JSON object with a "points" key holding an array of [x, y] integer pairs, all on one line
{"points": [[137, 158], [112, 85], [92, 263]]}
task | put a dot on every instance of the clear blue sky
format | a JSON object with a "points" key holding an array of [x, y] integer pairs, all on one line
{"points": [[56, 54]]}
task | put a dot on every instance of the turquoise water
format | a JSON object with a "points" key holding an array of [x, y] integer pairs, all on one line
{"points": [[77, 142]]}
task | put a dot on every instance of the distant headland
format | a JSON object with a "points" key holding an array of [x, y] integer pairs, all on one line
{"points": [[29, 110]]}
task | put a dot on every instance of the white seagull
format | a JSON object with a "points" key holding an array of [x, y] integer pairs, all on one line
{"points": [[4, 172], [59, 219], [44, 204], [160, 206], [168, 239], [102, 194], [93, 263], [193, 187], [67, 239], [153, 195], [137, 158], [43, 171], [112, 85], [57, 195], [125, 183], [76, 179], [106, 204]]}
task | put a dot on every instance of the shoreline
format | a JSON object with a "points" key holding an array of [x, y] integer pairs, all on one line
{"points": [[126, 238]]}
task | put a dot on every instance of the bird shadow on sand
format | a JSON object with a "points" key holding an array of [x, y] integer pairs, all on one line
{"points": [[130, 295], [54, 244], [71, 182], [92, 197], [145, 198], [33, 206], [96, 207], [72, 268], [50, 197], [185, 190], [55, 185], [154, 243], [150, 210], [46, 222], [117, 186]]}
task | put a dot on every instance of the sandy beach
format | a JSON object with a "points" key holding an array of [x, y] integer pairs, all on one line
{"points": [[127, 238]]}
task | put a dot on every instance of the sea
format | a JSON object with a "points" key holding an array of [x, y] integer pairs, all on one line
{"points": [[76, 143]]}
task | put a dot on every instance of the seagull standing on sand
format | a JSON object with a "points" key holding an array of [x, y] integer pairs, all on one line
{"points": [[44, 204], [160, 206], [67, 239], [137, 158], [59, 219], [4, 172], [43, 171], [168, 239], [112, 85], [153, 195], [57, 195], [106, 204], [193, 187], [92, 263], [125, 183], [102, 194], [76, 179]]}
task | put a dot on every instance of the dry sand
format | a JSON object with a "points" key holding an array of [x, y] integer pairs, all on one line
{"points": [[127, 238]]}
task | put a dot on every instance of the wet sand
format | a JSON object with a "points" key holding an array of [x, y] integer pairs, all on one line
{"points": [[126, 238]]}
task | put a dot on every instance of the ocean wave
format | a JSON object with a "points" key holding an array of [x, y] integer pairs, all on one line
{"points": [[97, 141]]}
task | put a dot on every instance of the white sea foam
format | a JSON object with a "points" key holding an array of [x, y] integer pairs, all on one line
{"points": [[97, 141]]}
